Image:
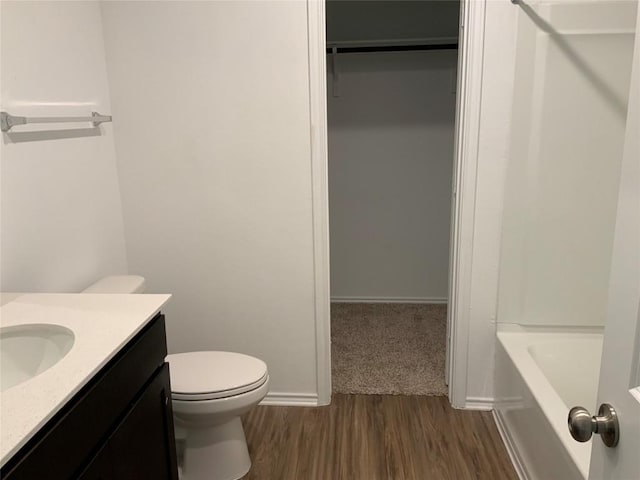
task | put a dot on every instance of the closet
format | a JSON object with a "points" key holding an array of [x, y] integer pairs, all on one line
{"points": [[391, 97], [391, 114]]}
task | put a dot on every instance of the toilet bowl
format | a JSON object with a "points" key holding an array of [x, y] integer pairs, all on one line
{"points": [[210, 390]]}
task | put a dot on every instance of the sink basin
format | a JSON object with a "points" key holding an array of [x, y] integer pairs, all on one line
{"points": [[30, 349]]}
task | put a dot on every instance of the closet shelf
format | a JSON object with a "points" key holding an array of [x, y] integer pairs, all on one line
{"points": [[387, 45]]}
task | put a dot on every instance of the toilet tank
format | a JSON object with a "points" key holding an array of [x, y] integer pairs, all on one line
{"points": [[118, 284]]}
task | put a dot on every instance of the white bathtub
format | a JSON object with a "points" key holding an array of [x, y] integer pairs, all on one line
{"points": [[540, 375]]}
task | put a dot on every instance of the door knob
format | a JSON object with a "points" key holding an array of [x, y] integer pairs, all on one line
{"points": [[582, 425]]}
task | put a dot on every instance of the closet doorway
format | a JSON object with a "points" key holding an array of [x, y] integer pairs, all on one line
{"points": [[391, 104]]}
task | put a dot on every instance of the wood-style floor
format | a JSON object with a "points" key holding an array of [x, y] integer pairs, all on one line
{"points": [[375, 437]]}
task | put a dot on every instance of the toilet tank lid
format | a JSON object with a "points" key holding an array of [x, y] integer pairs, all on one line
{"points": [[118, 284], [214, 372]]}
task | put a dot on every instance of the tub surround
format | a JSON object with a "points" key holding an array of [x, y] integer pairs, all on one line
{"points": [[102, 325]]}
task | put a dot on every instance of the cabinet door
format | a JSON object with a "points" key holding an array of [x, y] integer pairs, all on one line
{"points": [[100, 467], [143, 445]]}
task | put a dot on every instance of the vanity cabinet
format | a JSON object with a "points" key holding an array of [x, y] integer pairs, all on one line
{"points": [[134, 449], [118, 426]]}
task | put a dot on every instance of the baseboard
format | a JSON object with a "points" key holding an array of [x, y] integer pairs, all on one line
{"points": [[290, 399], [437, 300], [479, 403], [510, 445]]}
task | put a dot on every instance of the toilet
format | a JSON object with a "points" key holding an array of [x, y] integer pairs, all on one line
{"points": [[210, 391]]}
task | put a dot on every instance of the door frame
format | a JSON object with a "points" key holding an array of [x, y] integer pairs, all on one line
{"points": [[470, 65], [463, 200], [320, 194]]}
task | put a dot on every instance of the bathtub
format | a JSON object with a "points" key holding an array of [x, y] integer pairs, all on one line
{"points": [[540, 375]]}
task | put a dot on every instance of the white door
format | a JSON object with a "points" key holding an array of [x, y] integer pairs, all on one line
{"points": [[620, 371]]}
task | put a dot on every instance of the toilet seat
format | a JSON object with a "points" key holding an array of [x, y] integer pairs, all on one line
{"points": [[197, 376]]}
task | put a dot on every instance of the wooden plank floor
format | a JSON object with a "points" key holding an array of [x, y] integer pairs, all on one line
{"points": [[375, 437]]}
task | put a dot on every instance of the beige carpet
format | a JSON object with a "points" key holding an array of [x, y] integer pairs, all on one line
{"points": [[388, 348]]}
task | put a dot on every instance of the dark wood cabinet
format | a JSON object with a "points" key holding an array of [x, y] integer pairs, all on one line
{"points": [[139, 447], [119, 426]]}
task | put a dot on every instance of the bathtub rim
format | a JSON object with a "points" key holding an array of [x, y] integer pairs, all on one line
{"points": [[515, 340]]}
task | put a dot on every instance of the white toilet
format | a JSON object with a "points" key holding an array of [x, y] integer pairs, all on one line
{"points": [[209, 391]]}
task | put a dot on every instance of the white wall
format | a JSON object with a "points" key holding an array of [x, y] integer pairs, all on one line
{"points": [[214, 161], [61, 221], [390, 164]]}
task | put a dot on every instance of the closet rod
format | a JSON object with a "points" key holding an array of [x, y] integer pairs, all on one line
{"points": [[394, 48]]}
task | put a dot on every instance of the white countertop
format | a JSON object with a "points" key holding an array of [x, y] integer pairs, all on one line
{"points": [[102, 325]]}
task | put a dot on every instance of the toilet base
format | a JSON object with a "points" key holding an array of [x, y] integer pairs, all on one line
{"points": [[216, 453]]}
